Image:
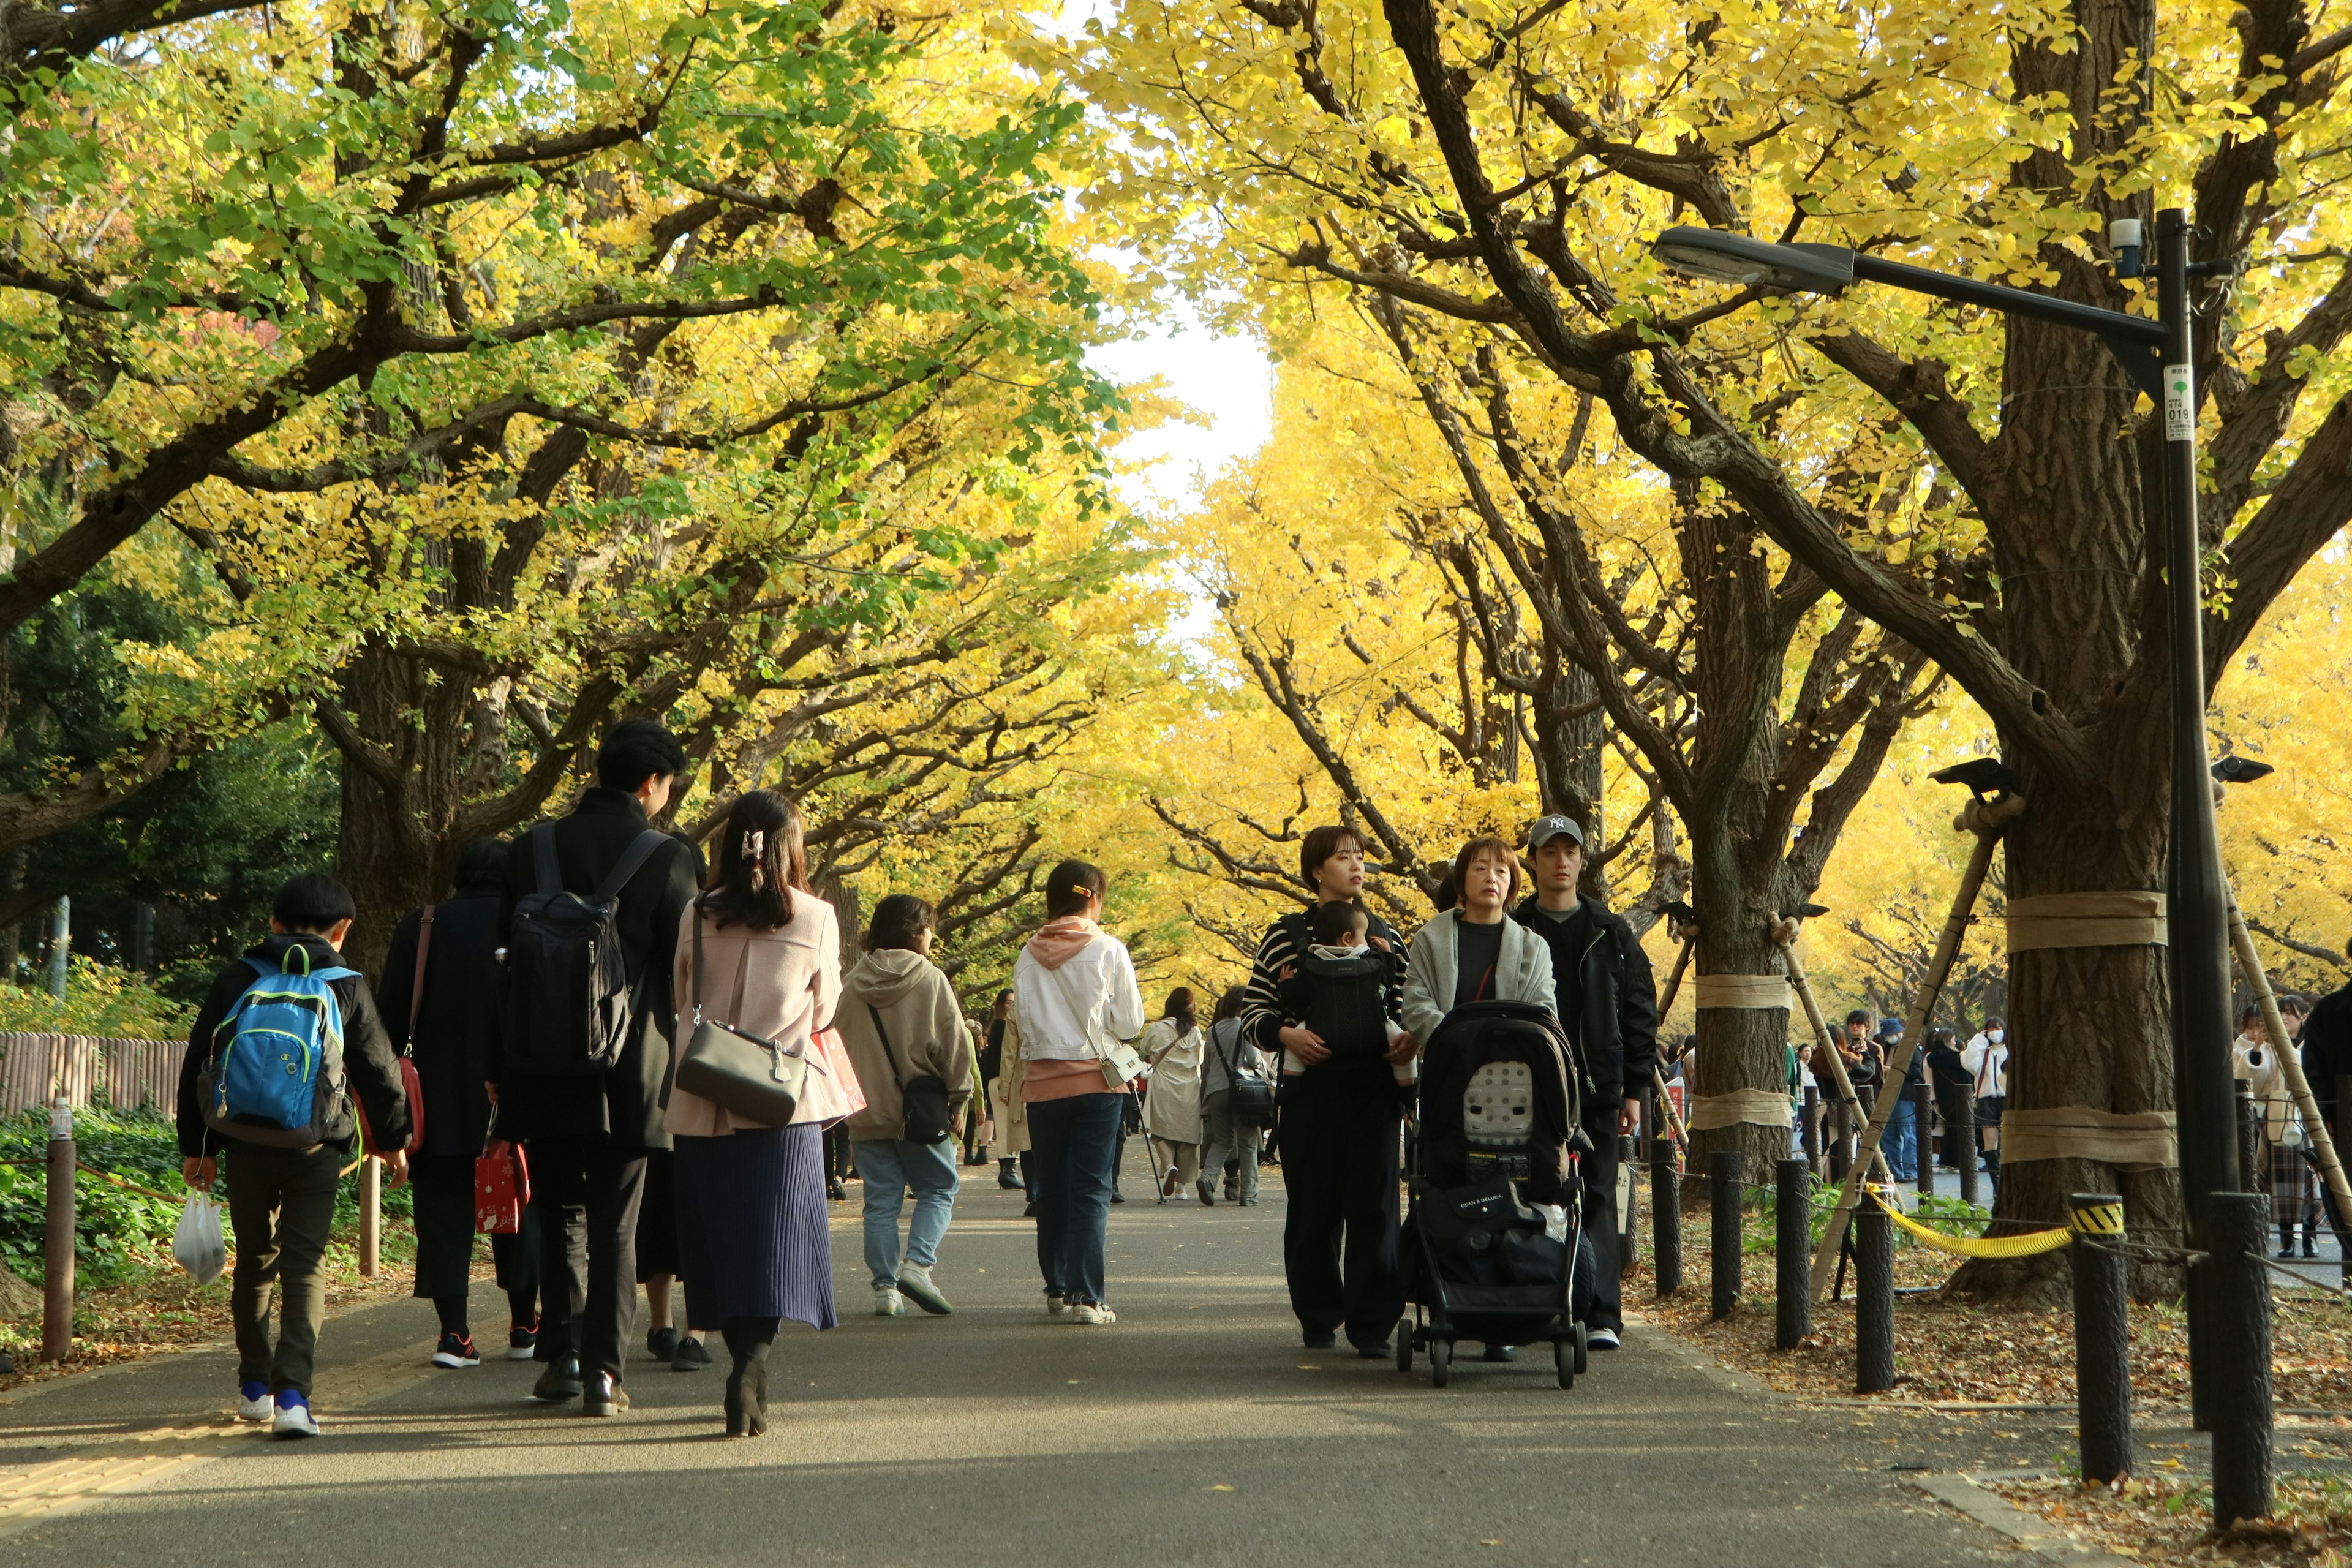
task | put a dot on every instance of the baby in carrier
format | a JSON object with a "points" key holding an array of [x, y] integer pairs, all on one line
{"points": [[1340, 990]]}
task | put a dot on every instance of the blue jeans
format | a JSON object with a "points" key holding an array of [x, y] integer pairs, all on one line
{"points": [[1901, 1144], [1073, 1141], [890, 1166]]}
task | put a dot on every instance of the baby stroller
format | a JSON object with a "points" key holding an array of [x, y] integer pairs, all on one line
{"points": [[1498, 1135]]}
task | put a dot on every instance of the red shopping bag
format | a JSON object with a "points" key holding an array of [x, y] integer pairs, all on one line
{"points": [[501, 1188]]}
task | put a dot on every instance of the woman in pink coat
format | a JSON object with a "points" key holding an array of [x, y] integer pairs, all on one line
{"points": [[751, 1233]]}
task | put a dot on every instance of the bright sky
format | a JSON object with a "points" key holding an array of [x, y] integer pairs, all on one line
{"points": [[1227, 381]]}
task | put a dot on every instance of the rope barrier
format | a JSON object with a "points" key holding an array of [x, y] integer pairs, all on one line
{"points": [[2025, 1246]]}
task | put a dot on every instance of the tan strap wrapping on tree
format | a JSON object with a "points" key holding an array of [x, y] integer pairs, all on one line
{"points": [[1756, 1107], [2132, 1139], [1750, 991], [2087, 920]]}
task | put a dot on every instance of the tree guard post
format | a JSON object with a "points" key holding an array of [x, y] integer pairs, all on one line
{"points": [[2102, 1413], [1792, 1237], [1722, 1179], [371, 1215], [1988, 820], [1665, 1213], [2239, 1297], [2242, 1095], [1874, 1302]]}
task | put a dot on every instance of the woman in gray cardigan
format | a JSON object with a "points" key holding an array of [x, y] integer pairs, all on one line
{"points": [[1474, 952]]}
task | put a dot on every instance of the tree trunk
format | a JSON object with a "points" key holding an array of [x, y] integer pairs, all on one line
{"points": [[393, 849]]}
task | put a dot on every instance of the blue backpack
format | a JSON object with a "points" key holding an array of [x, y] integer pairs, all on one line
{"points": [[276, 1073]]}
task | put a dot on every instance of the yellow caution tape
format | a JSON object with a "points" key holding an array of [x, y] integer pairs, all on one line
{"points": [[2024, 1246]]}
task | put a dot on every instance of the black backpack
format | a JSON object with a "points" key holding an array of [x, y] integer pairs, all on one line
{"points": [[567, 978]]}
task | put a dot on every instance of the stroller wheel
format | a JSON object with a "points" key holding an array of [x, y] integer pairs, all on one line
{"points": [[1405, 1344], [1441, 1358], [1563, 1357], [1584, 1349]]}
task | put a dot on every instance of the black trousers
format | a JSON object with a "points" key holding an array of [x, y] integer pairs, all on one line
{"points": [[280, 1204], [587, 1192], [1339, 1169], [1607, 1311], [443, 1185]]}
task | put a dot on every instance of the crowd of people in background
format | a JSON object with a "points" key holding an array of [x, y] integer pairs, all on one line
{"points": [[638, 1180]]}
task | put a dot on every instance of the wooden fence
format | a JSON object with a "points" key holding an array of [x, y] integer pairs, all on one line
{"points": [[126, 1074]]}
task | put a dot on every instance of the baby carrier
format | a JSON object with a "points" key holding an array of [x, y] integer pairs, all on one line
{"points": [[1342, 1000], [1495, 1246]]}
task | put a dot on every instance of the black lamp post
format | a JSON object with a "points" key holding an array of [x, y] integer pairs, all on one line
{"points": [[2156, 354]]}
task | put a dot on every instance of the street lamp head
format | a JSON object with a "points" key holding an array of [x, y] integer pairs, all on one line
{"points": [[2240, 770], [1719, 256], [1981, 775]]}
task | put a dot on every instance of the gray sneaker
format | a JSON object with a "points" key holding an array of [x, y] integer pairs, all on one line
{"points": [[915, 1284]]}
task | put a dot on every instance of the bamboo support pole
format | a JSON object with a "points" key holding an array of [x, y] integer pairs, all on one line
{"points": [[1986, 821]]}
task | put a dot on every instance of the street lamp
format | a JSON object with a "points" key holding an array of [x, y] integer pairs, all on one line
{"points": [[2156, 355]]}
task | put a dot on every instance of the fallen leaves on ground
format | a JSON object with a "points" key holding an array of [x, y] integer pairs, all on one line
{"points": [[2168, 1519]]}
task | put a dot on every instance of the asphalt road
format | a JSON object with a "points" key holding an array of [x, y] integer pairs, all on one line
{"points": [[1195, 1430]]}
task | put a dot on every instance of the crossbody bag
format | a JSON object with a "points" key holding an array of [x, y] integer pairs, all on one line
{"points": [[922, 1099]]}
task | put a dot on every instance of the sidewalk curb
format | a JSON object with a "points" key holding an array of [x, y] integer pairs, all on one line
{"points": [[1967, 1494]]}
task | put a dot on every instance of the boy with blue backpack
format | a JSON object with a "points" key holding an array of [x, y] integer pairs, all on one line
{"points": [[285, 1040]]}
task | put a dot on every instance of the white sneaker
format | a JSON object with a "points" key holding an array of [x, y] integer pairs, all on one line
{"points": [[1055, 1306], [1601, 1339], [294, 1421], [1092, 1313], [915, 1284], [258, 1407], [887, 1303]]}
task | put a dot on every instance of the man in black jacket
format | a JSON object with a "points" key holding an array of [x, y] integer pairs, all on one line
{"points": [[282, 1201], [2326, 1043], [460, 1005], [588, 1133], [1608, 1005]]}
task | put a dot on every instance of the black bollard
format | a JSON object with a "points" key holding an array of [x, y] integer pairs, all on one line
{"points": [[1923, 1115], [1665, 1214], [1873, 1299], [2250, 1132], [1812, 1131], [1792, 1247], [1963, 1135], [2101, 1338], [2239, 1296], [1723, 1173], [1841, 1152]]}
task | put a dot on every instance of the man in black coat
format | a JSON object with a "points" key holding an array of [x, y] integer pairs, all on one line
{"points": [[2326, 1043], [282, 1201], [460, 1011], [588, 1133], [1608, 1002]]}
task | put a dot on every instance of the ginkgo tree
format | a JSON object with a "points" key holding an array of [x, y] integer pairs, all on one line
{"points": [[1508, 163], [303, 250]]}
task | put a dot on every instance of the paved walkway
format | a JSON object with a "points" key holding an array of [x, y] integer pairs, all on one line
{"points": [[1194, 1431]]}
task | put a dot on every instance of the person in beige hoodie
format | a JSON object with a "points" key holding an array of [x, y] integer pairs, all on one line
{"points": [[903, 1024]]}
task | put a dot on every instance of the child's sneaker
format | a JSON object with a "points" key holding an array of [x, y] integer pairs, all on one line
{"points": [[456, 1350], [523, 1339], [294, 1418], [915, 1284], [253, 1402], [887, 1302]]}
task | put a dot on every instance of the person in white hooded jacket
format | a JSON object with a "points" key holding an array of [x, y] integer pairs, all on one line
{"points": [[901, 1021], [1075, 995]]}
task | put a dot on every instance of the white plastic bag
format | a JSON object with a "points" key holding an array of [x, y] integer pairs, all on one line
{"points": [[196, 1244]]}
